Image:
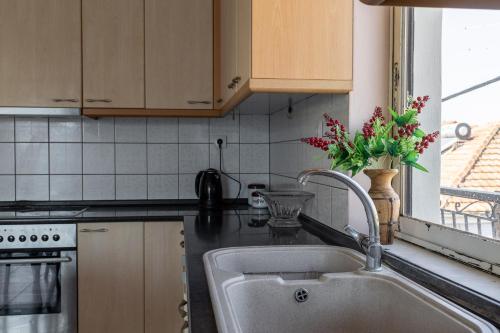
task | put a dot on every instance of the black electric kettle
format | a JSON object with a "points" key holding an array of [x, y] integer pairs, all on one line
{"points": [[208, 188]]}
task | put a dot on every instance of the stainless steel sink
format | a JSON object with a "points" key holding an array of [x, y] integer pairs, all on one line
{"points": [[319, 289]]}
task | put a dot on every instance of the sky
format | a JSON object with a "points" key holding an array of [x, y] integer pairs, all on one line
{"points": [[471, 55]]}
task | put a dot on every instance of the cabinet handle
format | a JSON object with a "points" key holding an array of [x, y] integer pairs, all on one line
{"points": [[236, 79], [181, 311], [220, 100], [184, 326], [198, 102], [182, 244], [182, 232], [104, 100], [231, 85], [95, 230], [62, 100]]}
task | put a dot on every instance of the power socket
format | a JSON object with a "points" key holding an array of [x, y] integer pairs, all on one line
{"points": [[224, 141]]}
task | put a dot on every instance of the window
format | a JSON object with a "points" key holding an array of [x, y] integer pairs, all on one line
{"points": [[453, 56]]}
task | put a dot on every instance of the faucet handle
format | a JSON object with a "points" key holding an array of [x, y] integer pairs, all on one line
{"points": [[359, 237]]}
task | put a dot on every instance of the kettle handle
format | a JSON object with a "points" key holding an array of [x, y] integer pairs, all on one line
{"points": [[197, 183]]}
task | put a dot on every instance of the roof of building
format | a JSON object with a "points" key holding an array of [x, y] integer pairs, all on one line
{"points": [[473, 164]]}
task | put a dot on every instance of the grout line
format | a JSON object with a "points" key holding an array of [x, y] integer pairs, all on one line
{"points": [[48, 154]]}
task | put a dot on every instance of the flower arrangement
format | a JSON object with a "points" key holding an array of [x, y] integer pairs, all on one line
{"points": [[400, 139]]}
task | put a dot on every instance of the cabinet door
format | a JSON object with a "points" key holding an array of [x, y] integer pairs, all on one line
{"points": [[179, 54], [113, 53], [229, 45], [163, 277], [111, 277], [40, 53], [302, 39], [244, 40]]}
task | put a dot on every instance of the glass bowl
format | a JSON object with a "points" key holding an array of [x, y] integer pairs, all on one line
{"points": [[285, 206]]}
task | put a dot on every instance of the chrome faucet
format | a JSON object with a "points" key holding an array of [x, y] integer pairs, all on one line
{"points": [[370, 244]]}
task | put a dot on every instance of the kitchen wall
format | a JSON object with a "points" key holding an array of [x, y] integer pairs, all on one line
{"points": [[130, 158], [289, 156]]}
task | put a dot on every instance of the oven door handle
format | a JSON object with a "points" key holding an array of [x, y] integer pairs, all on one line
{"points": [[15, 261]]}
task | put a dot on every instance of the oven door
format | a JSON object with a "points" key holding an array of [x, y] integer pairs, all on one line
{"points": [[38, 292]]}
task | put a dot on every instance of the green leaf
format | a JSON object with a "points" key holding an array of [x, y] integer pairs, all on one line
{"points": [[416, 166], [419, 133], [394, 114]]}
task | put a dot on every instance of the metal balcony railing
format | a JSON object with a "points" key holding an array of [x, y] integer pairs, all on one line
{"points": [[479, 213]]}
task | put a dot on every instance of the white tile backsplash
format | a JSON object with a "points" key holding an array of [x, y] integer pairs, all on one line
{"points": [[32, 187], [29, 129], [98, 130], [132, 130], [66, 158], [131, 187], [32, 158], [66, 187], [163, 159], [7, 160], [230, 158], [193, 157], [194, 130], [163, 187], [131, 159], [227, 127], [7, 129], [288, 155], [163, 130], [254, 129], [65, 130], [98, 158], [7, 188], [99, 187], [254, 158]]}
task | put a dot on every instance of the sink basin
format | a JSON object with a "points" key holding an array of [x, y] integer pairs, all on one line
{"points": [[318, 289]]}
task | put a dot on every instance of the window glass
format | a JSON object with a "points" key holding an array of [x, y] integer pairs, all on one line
{"points": [[455, 57]]}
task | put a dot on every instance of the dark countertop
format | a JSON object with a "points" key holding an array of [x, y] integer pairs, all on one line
{"points": [[235, 225]]}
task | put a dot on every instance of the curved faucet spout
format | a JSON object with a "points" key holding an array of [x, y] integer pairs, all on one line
{"points": [[371, 243]]}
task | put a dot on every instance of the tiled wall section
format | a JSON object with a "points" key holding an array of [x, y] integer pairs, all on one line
{"points": [[288, 156], [128, 158]]}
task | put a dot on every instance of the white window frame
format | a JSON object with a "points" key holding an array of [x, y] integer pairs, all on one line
{"points": [[474, 250]]}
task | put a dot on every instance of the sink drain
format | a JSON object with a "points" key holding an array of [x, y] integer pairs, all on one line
{"points": [[301, 295]]}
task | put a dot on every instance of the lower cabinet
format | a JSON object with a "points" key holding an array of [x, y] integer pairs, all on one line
{"points": [[130, 277]]}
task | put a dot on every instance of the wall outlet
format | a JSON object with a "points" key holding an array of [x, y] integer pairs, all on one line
{"points": [[224, 141]]}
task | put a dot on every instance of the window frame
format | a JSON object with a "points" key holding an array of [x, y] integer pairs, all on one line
{"points": [[474, 250]]}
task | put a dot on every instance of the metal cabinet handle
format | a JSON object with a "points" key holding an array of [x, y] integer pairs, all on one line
{"points": [[231, 85], [220, 100], [95, 230], [198, 102], [104, 100], [236, 79], [62, 100], [182, 244], [182, 232], [181, 310], [184, 326]]}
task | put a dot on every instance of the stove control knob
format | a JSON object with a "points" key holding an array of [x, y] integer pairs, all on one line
{"points": [[56, 237], [11, 238], [22, 238], [45, 238], [33, 238], [1, 239]]}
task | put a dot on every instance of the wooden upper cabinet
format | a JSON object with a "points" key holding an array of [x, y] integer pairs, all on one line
{"points": [[179, 54], [228, 48], [113, 53], [286, 46], [302, 39], [111, 277], [40, 53]]}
